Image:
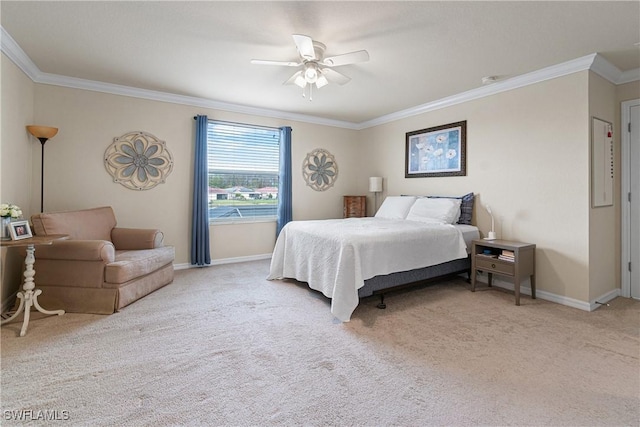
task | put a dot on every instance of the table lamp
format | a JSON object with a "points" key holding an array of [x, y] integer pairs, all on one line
{"points": [[375, 187]]}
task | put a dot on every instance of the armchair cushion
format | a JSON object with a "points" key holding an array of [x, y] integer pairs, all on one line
{"points": [[131, 264]]}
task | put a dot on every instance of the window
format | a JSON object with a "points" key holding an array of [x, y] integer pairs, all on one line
{"points": [[243, 162]]}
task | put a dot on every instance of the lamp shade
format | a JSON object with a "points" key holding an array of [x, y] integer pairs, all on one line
{"points": [[375, 184], [42, 132]]}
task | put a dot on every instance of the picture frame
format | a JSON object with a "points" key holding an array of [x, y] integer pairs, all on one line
{"points": [[20, 230], [437, 151], [602, 163]]}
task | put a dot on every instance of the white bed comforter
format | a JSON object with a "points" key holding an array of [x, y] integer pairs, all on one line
{"points": [[335, 257]]}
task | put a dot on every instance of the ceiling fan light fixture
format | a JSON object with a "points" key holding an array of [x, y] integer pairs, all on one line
{"points": [[315, 69], [311, 73], [300, 81], [322, 81]]}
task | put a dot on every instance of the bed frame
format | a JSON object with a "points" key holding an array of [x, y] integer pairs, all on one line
{"points": [[379, 285]]}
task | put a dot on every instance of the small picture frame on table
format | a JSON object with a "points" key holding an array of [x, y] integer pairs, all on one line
{"points": [[20, 230]]}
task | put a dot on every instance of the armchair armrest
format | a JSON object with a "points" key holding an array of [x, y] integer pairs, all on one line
{"points": [[136, 238], [78, 250]]}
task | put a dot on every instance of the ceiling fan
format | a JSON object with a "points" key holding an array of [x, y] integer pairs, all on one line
{"points": [[316, 69]]}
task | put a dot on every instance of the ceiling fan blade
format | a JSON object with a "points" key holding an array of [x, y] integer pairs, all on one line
{"points": [[335, 77], [267, 62], [346, 59], [305, 46]]}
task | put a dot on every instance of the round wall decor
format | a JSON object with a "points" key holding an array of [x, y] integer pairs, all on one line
{"points": [[138, 160], [320, 170]]}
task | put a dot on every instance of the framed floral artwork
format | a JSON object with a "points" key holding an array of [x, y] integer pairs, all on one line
{"points": [[437, 151]]}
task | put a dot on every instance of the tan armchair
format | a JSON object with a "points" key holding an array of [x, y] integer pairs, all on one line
{"points": [[101, 268]]}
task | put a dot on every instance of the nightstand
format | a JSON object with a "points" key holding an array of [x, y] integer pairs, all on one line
{"points": [[355, 206], [506, 258]]}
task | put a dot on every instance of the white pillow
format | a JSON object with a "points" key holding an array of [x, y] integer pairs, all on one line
{"points": [[395, 207], [445, 211]]}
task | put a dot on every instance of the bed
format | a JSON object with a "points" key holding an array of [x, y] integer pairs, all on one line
{"points": [[410, 239]]}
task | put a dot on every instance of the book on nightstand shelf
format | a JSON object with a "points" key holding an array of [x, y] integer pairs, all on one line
{"points": [[507, 255], [488, 255]]}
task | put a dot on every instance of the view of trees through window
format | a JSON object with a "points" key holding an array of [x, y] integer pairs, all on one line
{"points": [[243, 162]]}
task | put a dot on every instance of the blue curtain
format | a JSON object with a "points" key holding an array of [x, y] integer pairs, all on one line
{"points": [[285, 208], [200, 253]]}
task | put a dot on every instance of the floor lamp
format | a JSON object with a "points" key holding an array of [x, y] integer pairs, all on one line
{"points": [[43, 133], [375, 187]]}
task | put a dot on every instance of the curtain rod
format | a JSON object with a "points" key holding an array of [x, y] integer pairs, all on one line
{"points": [[241, 124]]}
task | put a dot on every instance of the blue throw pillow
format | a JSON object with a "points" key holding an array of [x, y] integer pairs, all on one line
{"points": [[466, 207]]}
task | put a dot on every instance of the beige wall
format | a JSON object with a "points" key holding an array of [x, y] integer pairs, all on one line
{"points": [[528, 158], [76, 177], [604, 247], [628, 91], [16, 147]]}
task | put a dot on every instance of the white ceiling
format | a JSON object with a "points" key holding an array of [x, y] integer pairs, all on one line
{"points": [[421, 51]]}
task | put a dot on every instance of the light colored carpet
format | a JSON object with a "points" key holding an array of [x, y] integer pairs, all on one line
{"points": [[223, 346]]}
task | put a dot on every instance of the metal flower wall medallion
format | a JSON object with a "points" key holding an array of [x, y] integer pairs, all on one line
{"points": [[320, 170], [138, 160]]}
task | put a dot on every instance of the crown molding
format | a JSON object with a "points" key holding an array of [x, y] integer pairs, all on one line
{"points": [[15, 53], [629, 76], [593, 62], [610, 72], [19, 57], [605, 69], [114, 89]]}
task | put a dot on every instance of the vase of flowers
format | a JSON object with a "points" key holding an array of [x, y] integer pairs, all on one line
{"points": [[8, 212]]}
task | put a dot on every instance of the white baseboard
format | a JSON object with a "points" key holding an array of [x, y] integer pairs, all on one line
{"points": [[526, 290], [185, 266], [548, 296], [604, 299]]}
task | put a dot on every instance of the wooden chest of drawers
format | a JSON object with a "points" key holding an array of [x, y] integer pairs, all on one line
{"points": [[355, 206]]}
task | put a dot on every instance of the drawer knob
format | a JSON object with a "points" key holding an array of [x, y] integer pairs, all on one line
{"points": [[493, 266]]}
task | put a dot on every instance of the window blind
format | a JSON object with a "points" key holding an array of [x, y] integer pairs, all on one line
{"points": [[242, 148], [243, 165]]}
